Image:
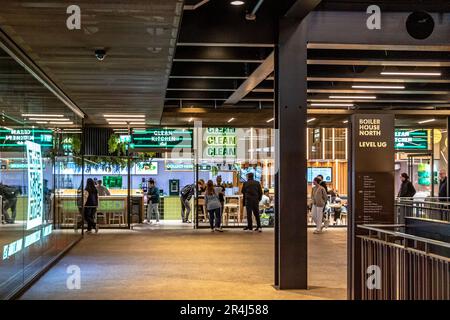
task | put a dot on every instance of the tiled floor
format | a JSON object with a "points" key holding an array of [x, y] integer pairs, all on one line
{"points": [[147, 263]]}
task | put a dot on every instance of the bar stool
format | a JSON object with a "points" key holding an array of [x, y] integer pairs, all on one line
{"points": [[231, 210], [117, 217]]}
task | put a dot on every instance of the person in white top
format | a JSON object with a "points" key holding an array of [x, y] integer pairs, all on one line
{"points": [[265, 201]]}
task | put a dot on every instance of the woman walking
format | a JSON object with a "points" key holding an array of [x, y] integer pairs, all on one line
{"points": [[90, 205], [319, 199], [213, 205]]}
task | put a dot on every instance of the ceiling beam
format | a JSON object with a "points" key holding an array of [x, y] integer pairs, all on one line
{"points": [[384, 63], [258, 76], [381, 80], [377, 47]]}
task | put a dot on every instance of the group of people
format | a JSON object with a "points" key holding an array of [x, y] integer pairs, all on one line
{"points": [[407, 189], [214, 194]]}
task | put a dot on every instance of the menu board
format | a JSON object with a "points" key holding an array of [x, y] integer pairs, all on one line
{"points": [[162, 139]]}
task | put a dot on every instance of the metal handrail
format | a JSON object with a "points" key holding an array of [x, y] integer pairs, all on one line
{"points": [[409, 200], [376, 228]]}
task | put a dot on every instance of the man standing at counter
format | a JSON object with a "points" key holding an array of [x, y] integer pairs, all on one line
{"points": [[101, 189], [186, 194], [153, 201], [252, 192]]}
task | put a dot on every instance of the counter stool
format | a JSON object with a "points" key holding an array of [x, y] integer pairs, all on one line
{"points": [[117, 217], [231, 211]]}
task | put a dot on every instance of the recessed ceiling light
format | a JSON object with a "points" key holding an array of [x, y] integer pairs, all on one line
{"points": [[378, 87], [124, 116], [270, 120], [431, 74], [118, 123], [56, 122], [237, 3], [345, 121], [311, 120], [43, 115], [354, 97], [190, 119], [232, 119], [426, 121], [126, 119], [332, 104], [48, 119]]}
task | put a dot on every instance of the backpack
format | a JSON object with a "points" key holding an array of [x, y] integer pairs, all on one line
{"points": [[186, 190]]}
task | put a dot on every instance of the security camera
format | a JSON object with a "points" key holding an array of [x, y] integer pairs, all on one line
{"points": [[100, 54]]}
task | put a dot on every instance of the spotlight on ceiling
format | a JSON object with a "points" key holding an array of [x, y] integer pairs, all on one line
{"points": [[237, 3]]}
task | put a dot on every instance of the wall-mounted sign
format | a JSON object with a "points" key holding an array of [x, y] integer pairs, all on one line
{"points": [[177, 165], [35, 185], [17, 137], [411, 139], [162, 138], [147, 168], [220, 143]]}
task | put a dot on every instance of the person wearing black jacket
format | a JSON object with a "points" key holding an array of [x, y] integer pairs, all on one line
{"points": [[407, 189], [90, 205], [442, 185], [153, 202], [252, 192]]}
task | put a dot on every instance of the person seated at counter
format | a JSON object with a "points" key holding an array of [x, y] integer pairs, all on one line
{"points": [[101, 189], [264, 204], [153, 202]]}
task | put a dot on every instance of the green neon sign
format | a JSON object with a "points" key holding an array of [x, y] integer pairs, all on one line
{"points": [[162, 139], [411, 139], [16, 138]]}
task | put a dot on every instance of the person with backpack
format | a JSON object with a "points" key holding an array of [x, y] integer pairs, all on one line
{"points": [[185, 197], [213, 205], [153, 202]]}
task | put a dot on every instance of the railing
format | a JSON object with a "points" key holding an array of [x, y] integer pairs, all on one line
{"points": [[428, 208], [402, 265]]}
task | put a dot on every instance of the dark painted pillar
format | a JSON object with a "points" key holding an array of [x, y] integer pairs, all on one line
{"points": [[291, 233]]}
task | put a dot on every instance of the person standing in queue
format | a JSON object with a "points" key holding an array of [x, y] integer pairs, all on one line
{"points": [[221, 189], [90, 205], [407, 189], [213, 206], [252, 192], [319, 198], [153, 201]]}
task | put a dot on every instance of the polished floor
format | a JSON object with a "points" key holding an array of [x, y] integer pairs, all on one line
{"points": [[147, 263]]}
